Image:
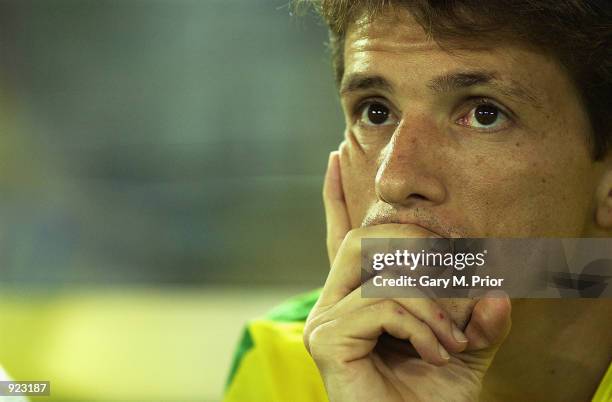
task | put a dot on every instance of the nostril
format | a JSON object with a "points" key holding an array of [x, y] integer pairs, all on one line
{"points": [[417, 197]]}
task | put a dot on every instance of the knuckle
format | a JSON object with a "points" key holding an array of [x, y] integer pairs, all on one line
{"points": [[306, 336], [306, 340], [387, 307], [422, 334], [387, 311], [353, 235], [324, 345], [312, 323], [318, 343], [352, 241], [435, 315]]}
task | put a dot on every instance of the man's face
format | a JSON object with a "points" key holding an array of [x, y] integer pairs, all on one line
{"points": [[479, 141]]}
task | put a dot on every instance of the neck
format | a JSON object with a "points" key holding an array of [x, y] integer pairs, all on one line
{"points": [[558, 349]]}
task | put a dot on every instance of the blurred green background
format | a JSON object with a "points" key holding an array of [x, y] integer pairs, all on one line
{"points": [[160, 172]]}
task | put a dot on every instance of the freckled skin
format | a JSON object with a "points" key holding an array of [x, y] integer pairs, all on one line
{"points": [[534, 179]]}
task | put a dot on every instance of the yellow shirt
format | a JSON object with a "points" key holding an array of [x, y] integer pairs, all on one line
{"points": [[272, 364]]}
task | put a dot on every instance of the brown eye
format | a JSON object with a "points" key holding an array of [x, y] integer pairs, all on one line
{"points": [[486, 114], [486, 117], [376, 114]]}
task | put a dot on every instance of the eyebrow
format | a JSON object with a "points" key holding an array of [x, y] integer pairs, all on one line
{"points": [[460, 80], [450, 82], [361, 82], [465, 79]]}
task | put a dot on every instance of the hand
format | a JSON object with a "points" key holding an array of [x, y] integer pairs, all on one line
{"points": [[392, 349]]}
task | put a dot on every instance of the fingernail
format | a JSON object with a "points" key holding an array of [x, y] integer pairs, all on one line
{"points": [[443, 353], [458, 335]]}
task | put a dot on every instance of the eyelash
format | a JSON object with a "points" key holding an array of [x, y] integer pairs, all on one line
{"points": [[483, 100]]}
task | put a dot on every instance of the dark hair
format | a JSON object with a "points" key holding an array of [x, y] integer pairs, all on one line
{"points": [[577, 33]]}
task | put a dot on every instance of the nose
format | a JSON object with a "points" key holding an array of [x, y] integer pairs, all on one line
{"points": [[411, 167]]}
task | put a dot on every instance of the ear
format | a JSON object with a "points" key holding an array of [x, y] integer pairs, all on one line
{"points": [[603, 213]]}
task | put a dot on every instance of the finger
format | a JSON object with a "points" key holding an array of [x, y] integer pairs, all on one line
{"points": [[336, 213], [345, 274], [490, 322], [459, 309], [420, 306], [354, 336]]}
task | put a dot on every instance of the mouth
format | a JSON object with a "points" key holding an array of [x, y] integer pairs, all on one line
{"points": [[424, 221], [421, 229]]}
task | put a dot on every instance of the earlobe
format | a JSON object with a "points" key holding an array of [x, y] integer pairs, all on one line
{"points": [[603, 214]]}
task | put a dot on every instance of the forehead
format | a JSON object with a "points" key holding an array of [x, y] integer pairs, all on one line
{"points": [[396, 29], [393, 44]]}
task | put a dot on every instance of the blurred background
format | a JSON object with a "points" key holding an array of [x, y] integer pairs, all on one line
{"points": [[160, 171]]}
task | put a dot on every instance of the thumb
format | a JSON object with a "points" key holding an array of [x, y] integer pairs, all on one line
{"points": [[489, 323], [336, 214]]}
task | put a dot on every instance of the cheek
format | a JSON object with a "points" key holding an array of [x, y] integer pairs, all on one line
{"points": [[358, 174], [525, 195], [506, 202]]}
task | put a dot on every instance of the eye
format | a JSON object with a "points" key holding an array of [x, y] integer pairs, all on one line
{"points": [[485, 116], [375, 113]]}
